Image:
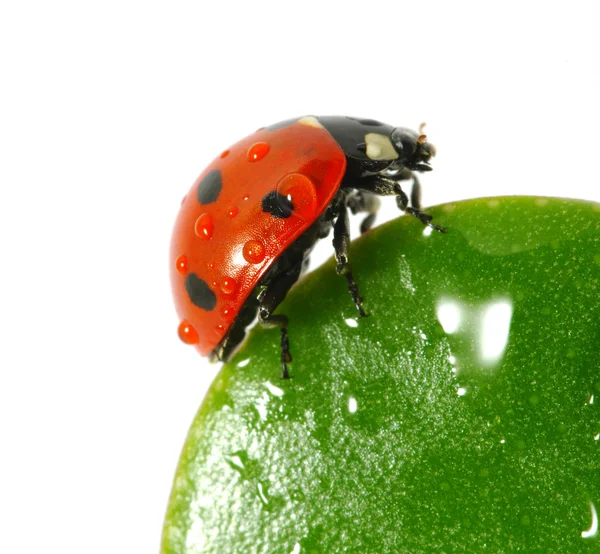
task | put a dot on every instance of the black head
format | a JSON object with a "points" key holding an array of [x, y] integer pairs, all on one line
{"points": [[414, 152]]}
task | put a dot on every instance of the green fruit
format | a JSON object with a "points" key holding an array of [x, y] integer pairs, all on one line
{"points": [[462, 415]]}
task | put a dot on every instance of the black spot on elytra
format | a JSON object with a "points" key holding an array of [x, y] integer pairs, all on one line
{"points": [[277, 205], [199, 293], [210, 187]]}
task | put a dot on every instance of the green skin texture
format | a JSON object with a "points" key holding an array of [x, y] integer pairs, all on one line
{"points": [[396, 435]]}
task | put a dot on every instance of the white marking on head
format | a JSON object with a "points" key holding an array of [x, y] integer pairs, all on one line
{"points": [[380, 147], [311, 121], [374, 151]]}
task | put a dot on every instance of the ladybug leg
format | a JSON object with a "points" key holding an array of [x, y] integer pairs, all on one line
{"points": [[305, 264], [341, 244], [237, 332], [386, 186], [415, 209], [268, 300], [425, 219], [362, 201], [402, 202], [415, 194]]}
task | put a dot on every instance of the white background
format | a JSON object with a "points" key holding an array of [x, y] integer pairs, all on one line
{"points": [[109, 111]]}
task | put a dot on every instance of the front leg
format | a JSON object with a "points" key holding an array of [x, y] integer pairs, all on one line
{"points": [[415, 193], [390, 186], [341, 244]]}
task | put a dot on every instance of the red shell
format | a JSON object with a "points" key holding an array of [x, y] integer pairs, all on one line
{"points": [[231, 249]]}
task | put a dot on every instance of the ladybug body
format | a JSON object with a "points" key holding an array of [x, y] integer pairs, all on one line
{"points": [[245, 229]]}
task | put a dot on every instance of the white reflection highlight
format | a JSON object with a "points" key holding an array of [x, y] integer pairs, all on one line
{"points": [[275, 391], [261, 493], [237, 462], [593, 530], [261, 405], [351, 322], [461, 391], [352, 405], [244, 363], [495, 329], [296, 549], [449, 315], [427, 231]]}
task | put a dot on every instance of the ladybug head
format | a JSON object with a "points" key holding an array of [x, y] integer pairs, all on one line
{"points": [[414, 152]]}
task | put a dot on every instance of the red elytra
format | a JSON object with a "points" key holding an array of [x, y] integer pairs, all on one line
{"points": [[227, 250]]}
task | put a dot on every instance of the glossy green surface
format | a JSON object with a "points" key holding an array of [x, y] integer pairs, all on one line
{"points": [[463, 415]]}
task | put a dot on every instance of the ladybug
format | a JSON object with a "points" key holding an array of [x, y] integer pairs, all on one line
{"points": [[245, 229]]}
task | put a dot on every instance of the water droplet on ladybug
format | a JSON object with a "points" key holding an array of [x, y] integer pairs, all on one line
{"points": [[254, 252], [204, 227], [215, 284], [228, 285], [210, 265], [220, 328], [301, 192], [232, 211], [227, 313], [187, 333], [225, 154], [246, 197], [258, 151], [181, 264]]}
